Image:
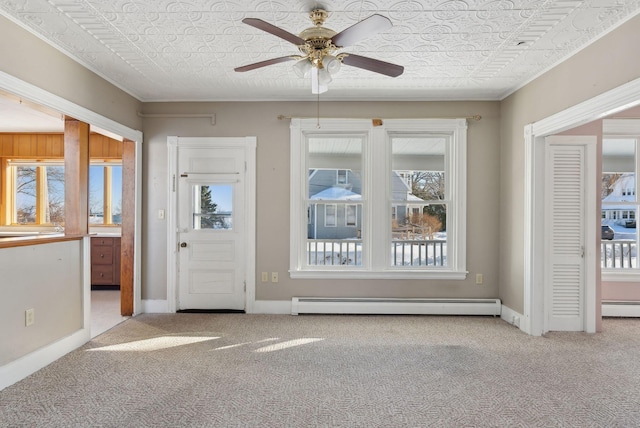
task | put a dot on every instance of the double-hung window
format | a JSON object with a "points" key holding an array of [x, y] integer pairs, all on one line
{"points": [[385, 201], [36, 192]]}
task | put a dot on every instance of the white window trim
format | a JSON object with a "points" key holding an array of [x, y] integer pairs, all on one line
{"points": [[375, 263]]}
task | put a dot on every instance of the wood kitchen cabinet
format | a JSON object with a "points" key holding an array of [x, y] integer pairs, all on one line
{"points": [[105, 261]]}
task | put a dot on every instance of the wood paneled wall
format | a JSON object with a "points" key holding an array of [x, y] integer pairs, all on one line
{"points": [[51, 146]]}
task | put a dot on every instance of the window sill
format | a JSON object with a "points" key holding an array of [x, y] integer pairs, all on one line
{"points": [[622, 275], [387, 274]]}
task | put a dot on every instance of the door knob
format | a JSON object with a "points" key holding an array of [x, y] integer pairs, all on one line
{"points": [[183, 244]]}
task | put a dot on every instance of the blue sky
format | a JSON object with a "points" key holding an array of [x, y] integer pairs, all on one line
{"points": [[222, 194]]}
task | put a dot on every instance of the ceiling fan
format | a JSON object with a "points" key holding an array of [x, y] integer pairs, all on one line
{"points": [[318, 46]]}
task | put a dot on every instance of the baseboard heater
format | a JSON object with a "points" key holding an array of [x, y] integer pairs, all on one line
{"points": [[629, 309], [393, 306]]}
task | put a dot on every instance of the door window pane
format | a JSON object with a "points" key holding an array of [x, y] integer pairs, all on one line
{"points": [[213, 206]]}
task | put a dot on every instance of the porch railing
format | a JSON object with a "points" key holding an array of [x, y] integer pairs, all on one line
{"points": [[618, 254], [348, 252], [334, 252], [422, 252]]}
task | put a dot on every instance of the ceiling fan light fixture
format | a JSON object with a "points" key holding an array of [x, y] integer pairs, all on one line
{"points": [[331, 64], [302, 67]]}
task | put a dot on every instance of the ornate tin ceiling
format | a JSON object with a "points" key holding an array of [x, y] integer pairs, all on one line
{"points": [[186, 50]]}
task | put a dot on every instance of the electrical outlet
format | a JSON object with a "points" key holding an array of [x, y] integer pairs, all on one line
{"points": [[265, 276], [29, 317], [274, 276], [479, 278]]}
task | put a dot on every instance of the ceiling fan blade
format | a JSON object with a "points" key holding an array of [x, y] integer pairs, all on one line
{"points": [[374, 65], [361, 30], [263, 63], [272, 29]]}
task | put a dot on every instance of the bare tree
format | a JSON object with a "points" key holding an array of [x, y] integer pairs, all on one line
{"points": [[430, 186], [26, 185]]}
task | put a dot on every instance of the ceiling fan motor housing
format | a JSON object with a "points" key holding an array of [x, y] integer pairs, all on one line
{"points": [[317, 39]]}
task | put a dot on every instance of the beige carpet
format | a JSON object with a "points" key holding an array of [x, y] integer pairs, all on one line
{"points": [[236, 370]]}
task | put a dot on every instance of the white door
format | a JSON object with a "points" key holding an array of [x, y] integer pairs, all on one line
{"points": [[569, 232], [212, 227]]}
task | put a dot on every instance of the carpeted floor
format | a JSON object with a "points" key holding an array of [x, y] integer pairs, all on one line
{"points": [[236, 370]]}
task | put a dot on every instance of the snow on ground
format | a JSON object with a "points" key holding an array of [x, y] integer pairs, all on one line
{"points": [[620, 231]]}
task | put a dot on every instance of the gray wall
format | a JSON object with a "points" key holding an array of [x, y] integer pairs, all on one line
{"points": [[48, 279], [272, 240], [606, 64]]}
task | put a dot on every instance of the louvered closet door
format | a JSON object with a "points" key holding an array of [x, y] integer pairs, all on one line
{"points": [[565, 236]]}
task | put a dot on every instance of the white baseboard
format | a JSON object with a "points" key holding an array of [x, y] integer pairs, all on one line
{"points": [[511, 316], [155, 307], [394, 306], [621, 309], [275, 307], [259, 307], [17, 370]]}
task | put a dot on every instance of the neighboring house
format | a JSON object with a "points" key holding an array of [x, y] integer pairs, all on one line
{"points": [[340, 217], [622, 190], [335, 210]]}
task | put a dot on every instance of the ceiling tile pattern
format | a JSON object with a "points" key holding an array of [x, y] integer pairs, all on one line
{"points": [[169, 50]]}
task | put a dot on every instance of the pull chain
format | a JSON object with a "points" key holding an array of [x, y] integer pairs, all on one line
{"points": [[318, 101]]}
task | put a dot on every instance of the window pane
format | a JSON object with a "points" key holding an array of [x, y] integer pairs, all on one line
{"points": [[213, 206], [334, 183], [422, 241], [25, 188], [105, 181], [96, 194], [116, 194], [54, 189], [418, 218], [619, 203]]}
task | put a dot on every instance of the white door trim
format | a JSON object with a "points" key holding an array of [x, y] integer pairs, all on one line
{"points": [[249, 144], [608, 103]]}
